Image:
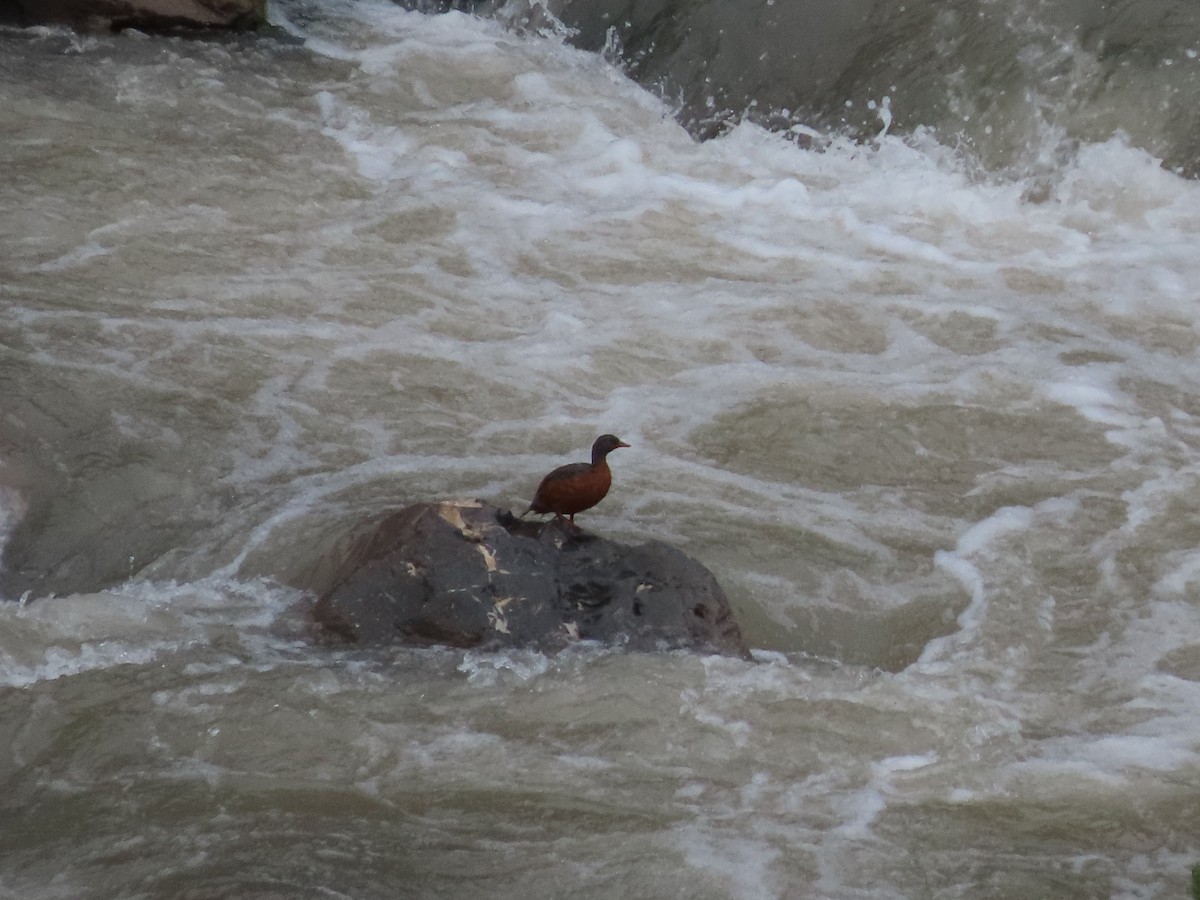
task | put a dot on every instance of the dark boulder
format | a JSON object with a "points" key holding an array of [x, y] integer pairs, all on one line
{"points": [[468, 574]]}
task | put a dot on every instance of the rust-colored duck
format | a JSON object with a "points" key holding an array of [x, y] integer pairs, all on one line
{"points": [[572, 488]]}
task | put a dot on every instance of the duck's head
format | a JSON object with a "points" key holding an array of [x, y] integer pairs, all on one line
{"points": [[606, 444]]}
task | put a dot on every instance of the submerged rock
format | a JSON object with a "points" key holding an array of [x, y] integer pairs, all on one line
{"points": [[145, 15], [469, 574]]}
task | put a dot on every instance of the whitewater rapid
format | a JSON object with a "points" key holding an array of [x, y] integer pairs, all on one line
{"points": [[932, 425]]}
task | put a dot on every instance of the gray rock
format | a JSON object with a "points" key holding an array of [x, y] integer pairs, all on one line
{"points": [[468, 574], [146, 15]]}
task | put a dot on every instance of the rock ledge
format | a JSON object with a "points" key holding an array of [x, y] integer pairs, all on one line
{"points": [[145, 15]]}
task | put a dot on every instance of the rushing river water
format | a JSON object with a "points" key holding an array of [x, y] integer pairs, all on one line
{"points": [[933, 422]]}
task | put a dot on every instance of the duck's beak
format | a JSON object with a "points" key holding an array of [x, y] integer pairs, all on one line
{"points": [[622, 444]]}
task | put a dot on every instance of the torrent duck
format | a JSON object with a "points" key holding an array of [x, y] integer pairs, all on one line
{"points": [[575, 487]]}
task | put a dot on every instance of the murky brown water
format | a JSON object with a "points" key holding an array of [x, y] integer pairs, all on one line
{"points": [[939, 443]]}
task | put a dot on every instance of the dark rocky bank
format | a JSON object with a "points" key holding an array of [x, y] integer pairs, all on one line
{"points": [[144, 15]]}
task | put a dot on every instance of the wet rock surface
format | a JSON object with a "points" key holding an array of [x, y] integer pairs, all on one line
{"points": [[145, 15], [469, 574]]}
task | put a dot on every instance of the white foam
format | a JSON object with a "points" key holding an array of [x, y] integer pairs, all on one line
{"points": [[978, 539], [492, 667], [987, 532], [1097, 402], [58, 637], [376, 149], [80, 256], [1181, 576], [861, 808], [63, 662], [741, 865]]}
